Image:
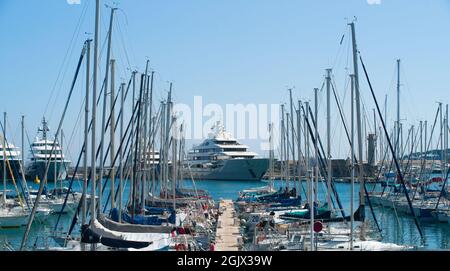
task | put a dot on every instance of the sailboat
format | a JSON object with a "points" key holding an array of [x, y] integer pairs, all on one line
{"points": [[10, 216], [13, 214]]}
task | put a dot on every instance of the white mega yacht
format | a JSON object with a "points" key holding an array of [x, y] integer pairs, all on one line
{"points": [[222, 157], [41, 153], [13, 157]]}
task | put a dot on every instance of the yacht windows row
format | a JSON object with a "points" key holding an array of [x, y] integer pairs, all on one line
{"points": [[219, 150]]}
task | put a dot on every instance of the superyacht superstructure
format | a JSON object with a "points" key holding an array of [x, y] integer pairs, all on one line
{"points": [[222, 157]]}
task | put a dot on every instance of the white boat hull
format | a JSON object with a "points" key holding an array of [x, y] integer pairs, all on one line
{"points": [[158, 241], [13, 219]]}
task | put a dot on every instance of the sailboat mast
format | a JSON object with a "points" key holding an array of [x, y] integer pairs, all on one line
{"points": [[445, 167], [413, 146], [4, 157], [143, 146], [375, 133], [151, 147], [144, 149], [270, 156], [421, 139], [122, 100], [161, 143], [328, 79], [291, 120], [316, 167], [137, 158], [174, 165], [307, 172], [22, 164], [352, 189], [401, 144], [358, 124], [167, 137], [55, 165], [299, 142], [425, 140], [61, 161], [112, 135], [441, 137], [282, 160], [23, 139], [398, 110], [94, 113], [316, 146], [288, 127], [133, 101], [180, 176], [86, 130], [382, 139]]}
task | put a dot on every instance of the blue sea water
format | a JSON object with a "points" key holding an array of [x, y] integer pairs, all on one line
{"points": [[396, 228]]}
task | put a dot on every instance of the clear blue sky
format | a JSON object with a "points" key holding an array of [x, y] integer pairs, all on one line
{"points": [[226, 51]]}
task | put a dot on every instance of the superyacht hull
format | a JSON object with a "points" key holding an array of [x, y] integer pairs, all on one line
{"points": [[37, 169], [15, 168], [233, 170]]}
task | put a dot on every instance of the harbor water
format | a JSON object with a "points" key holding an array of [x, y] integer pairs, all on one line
{"points": [[396, 227]]}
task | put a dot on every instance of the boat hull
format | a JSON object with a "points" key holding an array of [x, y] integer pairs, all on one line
{"points": [[157, 241], [15, 168], [442, 217], [13, 219], [37, 169], [233, 170], [56, 206]]}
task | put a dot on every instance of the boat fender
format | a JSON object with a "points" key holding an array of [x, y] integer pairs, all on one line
{"points": [[181, 231], [260, 238], [180, 247]]}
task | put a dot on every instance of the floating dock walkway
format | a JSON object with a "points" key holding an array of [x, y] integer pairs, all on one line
{"points": [[228, 237]]}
